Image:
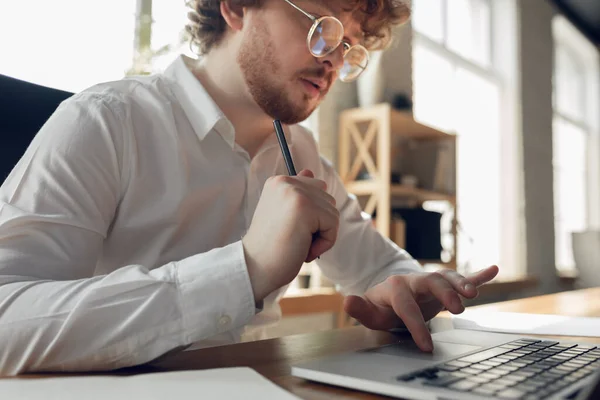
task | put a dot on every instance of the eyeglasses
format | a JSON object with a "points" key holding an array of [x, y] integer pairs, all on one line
{"points": [[325, 35]]}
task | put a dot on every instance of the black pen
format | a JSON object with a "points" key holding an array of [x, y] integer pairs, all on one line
{"points": [[287, 157], [284, 148]]}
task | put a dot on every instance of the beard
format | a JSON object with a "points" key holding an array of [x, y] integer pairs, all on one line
{"points": [[261, 68]]}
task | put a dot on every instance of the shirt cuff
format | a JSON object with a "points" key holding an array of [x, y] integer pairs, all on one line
{"points": [[216, 293]]}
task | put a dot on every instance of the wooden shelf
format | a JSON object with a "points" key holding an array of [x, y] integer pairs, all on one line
{"points": [[366, 143], [401, 123], [420, 194], [367, 187]]}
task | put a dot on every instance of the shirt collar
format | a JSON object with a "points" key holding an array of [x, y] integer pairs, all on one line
{"points": [[203, 113], [199, 107]]}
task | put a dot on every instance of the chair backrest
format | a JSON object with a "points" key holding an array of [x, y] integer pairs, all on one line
{"points": [[24, 108], [586, 252]]}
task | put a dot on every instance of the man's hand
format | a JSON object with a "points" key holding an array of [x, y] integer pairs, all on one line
{"points": [[410, 300], [295, 222]]}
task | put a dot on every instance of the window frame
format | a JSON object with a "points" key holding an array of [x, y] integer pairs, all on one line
{"points": [[500, 71], [570, 41]]}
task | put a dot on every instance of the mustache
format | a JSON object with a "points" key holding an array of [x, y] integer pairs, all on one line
{"points": [[314, 73], [318, 73]]}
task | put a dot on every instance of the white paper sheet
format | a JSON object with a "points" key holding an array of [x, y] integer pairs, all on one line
{"points": [[527, 324], [223, 383]]}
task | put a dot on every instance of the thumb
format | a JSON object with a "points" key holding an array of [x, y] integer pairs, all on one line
{"points": [[362, 310], [307, 173], [371, 315], [319, 246]]}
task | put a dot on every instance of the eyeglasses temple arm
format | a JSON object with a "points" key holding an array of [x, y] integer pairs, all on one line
{"points": [[312, 17]]}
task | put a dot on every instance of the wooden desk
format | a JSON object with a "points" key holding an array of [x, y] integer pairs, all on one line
{"points": [[272, 358]]}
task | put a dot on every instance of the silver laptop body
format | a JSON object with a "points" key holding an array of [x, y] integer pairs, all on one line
{"points": [[401, 370]]}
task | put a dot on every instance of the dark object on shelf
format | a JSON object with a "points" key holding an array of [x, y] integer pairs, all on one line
{"points": [[402, 102], [423, 232], [363, 175], [304, 281]]}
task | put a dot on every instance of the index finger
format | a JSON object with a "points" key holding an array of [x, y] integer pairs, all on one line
{"points": [[484, 276], [405, 307], [318, 183]]}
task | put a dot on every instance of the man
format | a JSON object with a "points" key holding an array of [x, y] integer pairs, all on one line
{"points": [[154, 213]]}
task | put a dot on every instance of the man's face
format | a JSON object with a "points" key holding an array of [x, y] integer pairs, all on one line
{"points": [[283, 77]]}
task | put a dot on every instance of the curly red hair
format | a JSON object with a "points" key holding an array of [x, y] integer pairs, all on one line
{"points": [[206, 25]]}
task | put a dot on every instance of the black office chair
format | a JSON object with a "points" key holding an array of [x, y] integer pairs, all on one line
{"points": [[24, 107]]}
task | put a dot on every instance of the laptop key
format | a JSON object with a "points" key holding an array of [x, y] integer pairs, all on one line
{"points": [[509, 368], [533, 368], [510, 346], [442, 381], [511, 393], [526, 341], [585, 347], [505, 381], [483, 391], [481, 367], [492, 386], [490, 375], [554, 373], [515, 378], [525, 387], [570, 379], [449, 368], [587, 358], [483, 355], [464, 385], [564, 346], [519, 363], [460, 374], [478, 379], [526, 374], [547, 343], [491, 363], [457, 363], [498, 371]]}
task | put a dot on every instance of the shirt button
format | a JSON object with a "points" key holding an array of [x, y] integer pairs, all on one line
{"points": [[224, 321]]}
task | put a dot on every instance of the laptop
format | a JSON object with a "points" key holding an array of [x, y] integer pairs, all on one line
{"points": [[466, 365]]}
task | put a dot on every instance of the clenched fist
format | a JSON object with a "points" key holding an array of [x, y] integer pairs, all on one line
{"points": [[295, 222]]}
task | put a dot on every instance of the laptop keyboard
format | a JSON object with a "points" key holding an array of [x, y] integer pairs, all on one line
{"points": [[523, 369]]}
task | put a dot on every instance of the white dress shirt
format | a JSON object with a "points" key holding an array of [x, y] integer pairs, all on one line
{"points": [[121, 227]]}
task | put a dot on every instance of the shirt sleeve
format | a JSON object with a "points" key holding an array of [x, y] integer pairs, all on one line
{"points": [[56, 208], [361, 256]]}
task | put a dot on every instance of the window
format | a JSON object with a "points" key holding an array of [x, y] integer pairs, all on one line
{"points": [[457, 89], [64, 44], [575, 131], [168, 38], [463, 26]]}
